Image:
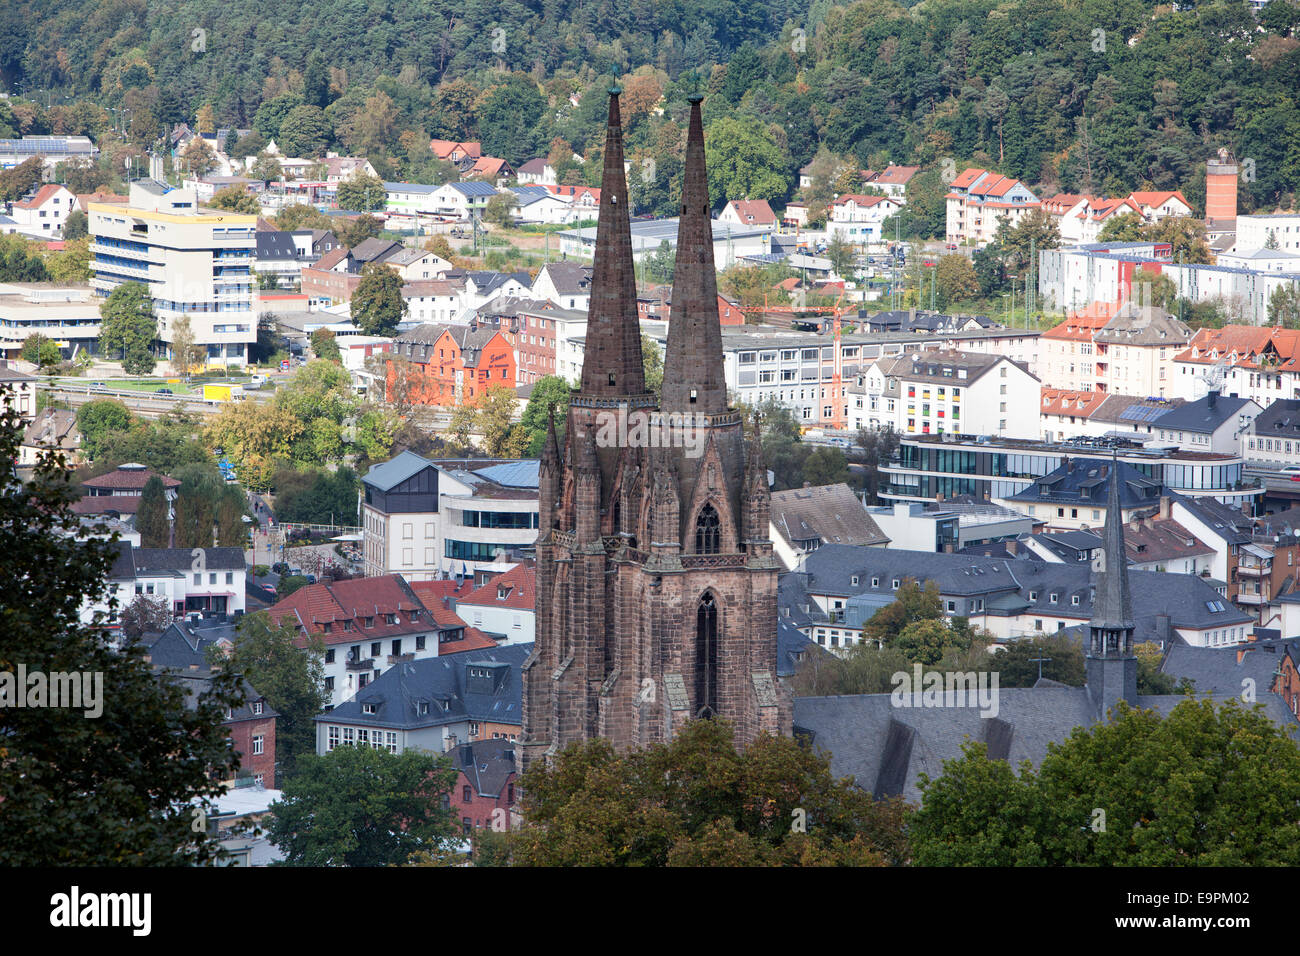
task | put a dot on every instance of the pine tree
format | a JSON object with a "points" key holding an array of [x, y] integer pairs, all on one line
{"points": [[151, 517]]}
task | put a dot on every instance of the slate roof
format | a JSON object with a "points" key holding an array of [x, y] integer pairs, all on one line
{"points": [[445, 688], [396, 470], [1221, 670], [375, 250], [181, 560], [1229, 523], [931, 366], [791, 647], [488, 765], [1013, 587], [1149, 325], [274, 246], [1086, 482], [1201, 416], [569, 278], [1282, 418], [830, 514]]}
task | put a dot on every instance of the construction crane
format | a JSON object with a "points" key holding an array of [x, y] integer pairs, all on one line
{"points": [[837, 375]]}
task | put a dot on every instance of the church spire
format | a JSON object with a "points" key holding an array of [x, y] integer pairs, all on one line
{"points": [[693, 364], [1113, 607], [611, 364]]}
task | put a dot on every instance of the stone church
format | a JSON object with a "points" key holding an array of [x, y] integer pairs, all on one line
{"points": [[656, 579]]}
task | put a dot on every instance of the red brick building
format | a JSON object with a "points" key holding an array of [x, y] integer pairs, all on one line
{"points": [[484, 794], [656, 578], [454, 365]]}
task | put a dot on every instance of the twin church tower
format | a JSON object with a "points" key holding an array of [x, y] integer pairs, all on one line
{"points": [[656, 580]]}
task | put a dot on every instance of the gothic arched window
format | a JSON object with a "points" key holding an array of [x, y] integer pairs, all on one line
{"points": [[706, 657], [708, 532]]}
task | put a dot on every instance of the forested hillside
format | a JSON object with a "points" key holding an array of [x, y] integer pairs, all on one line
{"points": [[1095, 95]]}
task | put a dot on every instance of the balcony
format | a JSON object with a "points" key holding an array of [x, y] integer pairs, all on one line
{"points": [[1253, 599], [1253, 571], [364, 665]]}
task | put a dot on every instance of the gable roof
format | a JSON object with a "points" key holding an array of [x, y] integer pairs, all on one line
{"points": [[440, 690], [350, 603], [1205, 415], [519, 585], [830, 514], [391, 473], [41, 197], [753, 211]]}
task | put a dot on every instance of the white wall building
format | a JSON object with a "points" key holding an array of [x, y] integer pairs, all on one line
{"points": [[857, 219], [196, 263]]}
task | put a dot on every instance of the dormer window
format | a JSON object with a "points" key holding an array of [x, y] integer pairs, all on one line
{"points": [[1052, 599], [368, 709]]}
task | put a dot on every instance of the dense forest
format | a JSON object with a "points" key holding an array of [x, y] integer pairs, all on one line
{"points": [[1074, 95]]}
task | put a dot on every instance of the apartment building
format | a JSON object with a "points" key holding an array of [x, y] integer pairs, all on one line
{"points": [[1256, 230], [858, 219], [1262, 364], [196, 262], [1107, 347], [422, 518], [940, 392], [978, 199]]}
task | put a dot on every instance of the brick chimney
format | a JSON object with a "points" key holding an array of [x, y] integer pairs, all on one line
{"points": [[1166, 507]]}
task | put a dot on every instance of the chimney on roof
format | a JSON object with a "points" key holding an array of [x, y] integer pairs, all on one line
{"points": [[1212, 398], [1166, 506]]}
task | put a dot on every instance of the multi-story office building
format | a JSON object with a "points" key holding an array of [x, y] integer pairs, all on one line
{"points": [[196, 263], [939, 467], [68, 316], [422, 518]]}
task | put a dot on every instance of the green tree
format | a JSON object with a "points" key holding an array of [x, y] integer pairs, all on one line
{"points": [[462, 423], [362, 192], [926, 641], [70, 264], [1017, 664], [305, 131], [496, 408], [499, 208], [360, 806], [353, 232], [507, 116], [697, 801], [236, 199], [955, 280], [18, 181], [744, 162], [100, 419], [912, 604], [1177, 790], [292, 679], [825, 466], [267, 168], [1126, 227], [841, 255], [316, 81], [377, 305], [324, 344], [128, 327], [288, 584], [1284, 306], [198, 157], [873, 449], [1036, 228], [549, 392], [652, 362], [76, 225], [151, 518], [41, 351], [186, 353], [20, 261], [302, 216], [115, 783]]}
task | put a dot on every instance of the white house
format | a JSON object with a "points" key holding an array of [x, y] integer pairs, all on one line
{"points": [[43, 214], [536, 172], [749, 212], [857, 219], [567, 284], [460, 200], [503, 608]]}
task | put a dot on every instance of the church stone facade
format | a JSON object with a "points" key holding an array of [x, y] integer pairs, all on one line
{"points": [[656, 579]]}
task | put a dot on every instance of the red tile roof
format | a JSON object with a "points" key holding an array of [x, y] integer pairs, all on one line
{"points": [[966, 177], [1243, 345], [1082, 325], [101, 504], [43, 195], [755, 211], [896, 175], [474, 640], [347, 604], [1060, 401], [85, 199], [860, 199], [129, 479], [519, 583], [1156, 199]]}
